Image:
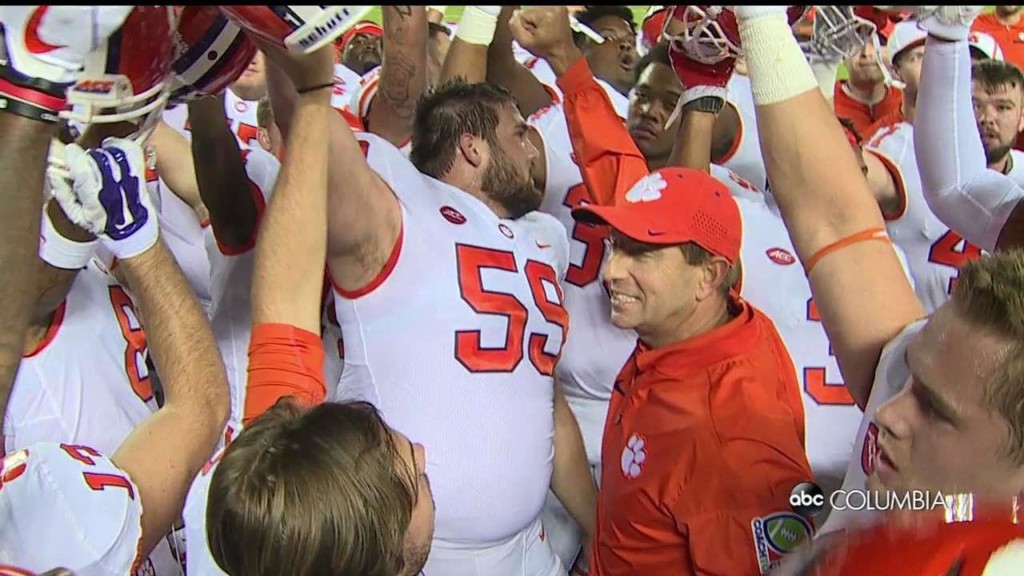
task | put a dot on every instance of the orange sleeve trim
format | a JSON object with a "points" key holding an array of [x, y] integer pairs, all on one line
{"points": [[389, 266], [284, 360], [261, 204], [897, 180], [555, 97], [862, 236], [51, 332], [577, 78]]}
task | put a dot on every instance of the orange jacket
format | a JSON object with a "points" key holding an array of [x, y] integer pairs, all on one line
{"points": [[864, 115], [705, 438]]}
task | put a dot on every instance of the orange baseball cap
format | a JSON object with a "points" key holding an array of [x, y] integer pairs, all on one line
{"points": [[675, 206]]}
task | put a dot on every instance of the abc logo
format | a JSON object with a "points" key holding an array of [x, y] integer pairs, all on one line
{"points": [[807, 499]]}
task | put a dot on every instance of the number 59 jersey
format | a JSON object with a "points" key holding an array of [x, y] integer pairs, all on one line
{"points": [[456, 342], [68, 506]]}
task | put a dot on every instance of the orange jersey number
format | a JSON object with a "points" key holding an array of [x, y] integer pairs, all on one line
{"points": [[952, 250], [468, 349], [135, 340], [97, 481], [817, 387], [591, 236]]}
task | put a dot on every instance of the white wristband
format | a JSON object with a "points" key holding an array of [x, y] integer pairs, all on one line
{"points": [[478, 24], [776, 65], [58, 251]]}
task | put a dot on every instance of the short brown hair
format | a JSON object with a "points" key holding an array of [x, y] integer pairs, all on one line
{"points": [[697, 256], [447, 112], [990, 294], [995, 74], [311, 493]]}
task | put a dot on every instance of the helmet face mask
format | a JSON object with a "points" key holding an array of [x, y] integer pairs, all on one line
{"points": [[839, 33], [709, 34]]}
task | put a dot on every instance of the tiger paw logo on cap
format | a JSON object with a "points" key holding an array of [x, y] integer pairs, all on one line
{"points": [[648, 189]]}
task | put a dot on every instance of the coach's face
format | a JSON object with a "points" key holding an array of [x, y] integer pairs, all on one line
{"points": [[941, 431]]}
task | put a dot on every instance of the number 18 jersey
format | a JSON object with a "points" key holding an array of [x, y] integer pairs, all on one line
{"points": [[456, 342]]}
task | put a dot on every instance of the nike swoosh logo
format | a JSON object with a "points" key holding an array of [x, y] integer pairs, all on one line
{"points": [[655, 232], [543, 246], [33, 42]]}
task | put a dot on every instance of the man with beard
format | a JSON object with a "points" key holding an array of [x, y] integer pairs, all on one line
{"points": [[998, 91], [447, 291], [361, 47]]}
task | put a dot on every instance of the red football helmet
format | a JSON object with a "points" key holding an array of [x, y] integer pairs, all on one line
{"points": [[987, 543], [212, 53], [126, 79], [300, 29], [652, 26], [710, 34]]}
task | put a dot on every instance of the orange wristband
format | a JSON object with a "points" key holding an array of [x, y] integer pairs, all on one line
{"points": [[862, 236]]}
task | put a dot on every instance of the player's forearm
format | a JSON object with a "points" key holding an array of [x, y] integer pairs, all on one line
{"points": [[54, 283], [22, 166], [609, 160], [175, 166], [220, 173], [571, 480], [180, 340], [693, 141], [466, 61], [505, 71], [292, 246], [403, 74]]}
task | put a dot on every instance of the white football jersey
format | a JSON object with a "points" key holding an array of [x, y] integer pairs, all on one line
{"points": [[182, 232], [1017, 167], [934, 252], [231, 272], [456, 343], [87, 382], [199, 561], [774, 282], [891, 376], [346, 83], [241, 115], [68, 506]]}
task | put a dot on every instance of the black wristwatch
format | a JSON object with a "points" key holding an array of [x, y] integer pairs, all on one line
{"points": [[710, 104]]}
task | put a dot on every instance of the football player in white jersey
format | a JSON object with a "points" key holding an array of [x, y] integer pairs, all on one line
{"points": [[397, 235], [932, 421], [101, 497], [320, 459]]}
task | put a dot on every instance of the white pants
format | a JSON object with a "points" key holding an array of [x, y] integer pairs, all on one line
{"points": [[525, 554], [563, 532]]}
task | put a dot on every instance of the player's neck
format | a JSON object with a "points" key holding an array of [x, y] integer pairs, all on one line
{"points": [[869, 94], [1008, 19], [657, 162], [1003, 165], [708, 316]]}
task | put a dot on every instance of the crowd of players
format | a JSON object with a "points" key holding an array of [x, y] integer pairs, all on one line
{"points": [[357, 309]]}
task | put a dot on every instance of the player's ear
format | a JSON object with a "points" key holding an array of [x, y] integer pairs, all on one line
{"points": [[471, 148]]}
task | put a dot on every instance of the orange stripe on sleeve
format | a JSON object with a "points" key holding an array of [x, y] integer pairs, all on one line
{"points": [[283, 361]]}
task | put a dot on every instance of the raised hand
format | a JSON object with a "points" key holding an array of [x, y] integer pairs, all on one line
{"points": [[107, 195], [947, 22], [543, 31]]}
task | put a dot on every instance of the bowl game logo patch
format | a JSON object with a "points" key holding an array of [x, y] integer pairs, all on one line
{"points": [[777, 535]]}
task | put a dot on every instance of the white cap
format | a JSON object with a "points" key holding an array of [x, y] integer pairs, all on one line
{"points": [[986, 44], [905, 35]]}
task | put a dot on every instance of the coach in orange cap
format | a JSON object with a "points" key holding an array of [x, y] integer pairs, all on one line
{"points": [[704, 439]]}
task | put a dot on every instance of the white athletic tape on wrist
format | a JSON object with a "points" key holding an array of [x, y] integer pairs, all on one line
{"points": [[62, 252], [776, 65], [477, 25]]}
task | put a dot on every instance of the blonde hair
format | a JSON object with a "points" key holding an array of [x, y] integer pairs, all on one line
{"points": [[990, 294], [321, 492]]}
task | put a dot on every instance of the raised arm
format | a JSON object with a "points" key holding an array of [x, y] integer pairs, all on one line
{"points": [[285, 353], [403, 73], [219, 166], [467, 55], [505, 71], [364, 217], [609, 160], [978, 203], [175, 166], [859, 287]]}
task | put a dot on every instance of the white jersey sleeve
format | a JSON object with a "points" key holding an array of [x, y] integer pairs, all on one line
{"points": [[891, 376], [199, 561], [231, 272], [959, 187], [68, 506]]}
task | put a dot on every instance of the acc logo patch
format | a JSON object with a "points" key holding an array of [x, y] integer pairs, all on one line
{"points": [[777, 535], [780, 256], [452, 215]]}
